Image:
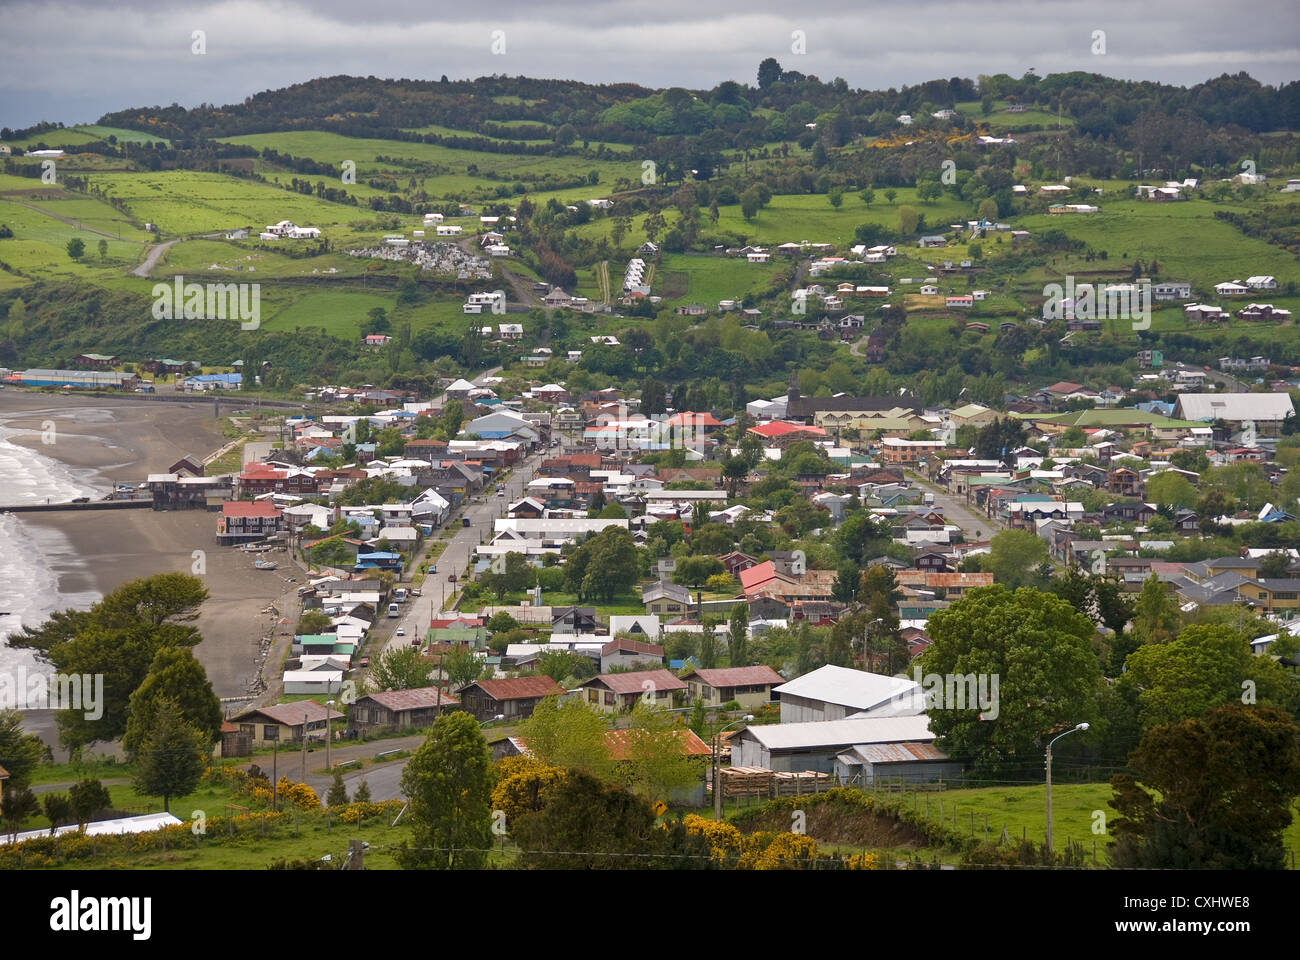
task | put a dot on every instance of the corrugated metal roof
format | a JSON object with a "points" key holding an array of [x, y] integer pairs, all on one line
{"points": [[832, 733], [893, 753], [420, 698], [851, 688]]}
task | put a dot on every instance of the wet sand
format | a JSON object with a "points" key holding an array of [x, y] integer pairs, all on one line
{"points": [[123, 441]]}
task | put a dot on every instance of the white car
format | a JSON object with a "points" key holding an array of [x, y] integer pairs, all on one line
{"points": [[401, 631]]}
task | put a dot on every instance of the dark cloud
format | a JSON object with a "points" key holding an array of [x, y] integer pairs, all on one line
{"points": [[73, 61]]}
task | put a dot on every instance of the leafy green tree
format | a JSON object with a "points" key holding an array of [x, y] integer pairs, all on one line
{"points": [[1155, 613], [769, 72], [569, 734], [1273, 566], [103, 250], [1014, 557], [1205, 666], [908, 220], [449, 785], [58, 810], [461, 667], [1212, 792], [501, 622], [76, 248], [696, 570], [654, 763], [734, 472], [708, 655], [178, 675], [172, 753], [738, 636], [88, 797], [509, 574], [561, 664], [362, 793], [699, 718], [20, 752], [1170, 489], [117, 638], [313, 622], [836, 197], [400, 669], [337, 796], [750, 203], [867, 195], [604, 566], [586, 824], [16, 805], [1039, 649]]}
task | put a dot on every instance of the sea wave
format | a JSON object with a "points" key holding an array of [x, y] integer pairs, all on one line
{"points": [[31, 556]]}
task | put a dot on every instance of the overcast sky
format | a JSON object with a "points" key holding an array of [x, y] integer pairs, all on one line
{"points": [[73, 61]]}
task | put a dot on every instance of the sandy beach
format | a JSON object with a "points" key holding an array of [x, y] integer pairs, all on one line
{"points": [[91, 553]]}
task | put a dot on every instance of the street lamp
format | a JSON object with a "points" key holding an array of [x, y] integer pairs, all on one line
{"points": [[717, 745], [1080, 727]]}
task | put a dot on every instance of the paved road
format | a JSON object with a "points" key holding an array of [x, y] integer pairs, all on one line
{"points": [[973, 523], [456, 556], [151, 258]]}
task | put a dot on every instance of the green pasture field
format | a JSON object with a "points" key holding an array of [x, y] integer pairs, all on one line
{"points": [[453, 179], [706, 280], [82, 134], [1184, 238], [999, 119], [187, 202], [39, 246]]}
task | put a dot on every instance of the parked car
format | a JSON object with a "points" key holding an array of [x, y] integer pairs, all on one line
{"points": [[363, 662], [401, 631]]}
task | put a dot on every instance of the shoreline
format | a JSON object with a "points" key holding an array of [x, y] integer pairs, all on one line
{"points": [[92, 553]]}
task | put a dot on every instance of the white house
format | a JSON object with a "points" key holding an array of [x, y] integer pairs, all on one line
{"points": [[448, 230], [1262, 283], [1231, 289]]}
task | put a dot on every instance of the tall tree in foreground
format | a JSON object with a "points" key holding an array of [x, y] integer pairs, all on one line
{"points": [[118, 639], [1210, 793], [20, 752], [1037, 649], [177, 674], [449, 785], [172, 754]]}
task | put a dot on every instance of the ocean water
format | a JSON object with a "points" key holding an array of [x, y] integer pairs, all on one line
{"points": [[30, 556]]}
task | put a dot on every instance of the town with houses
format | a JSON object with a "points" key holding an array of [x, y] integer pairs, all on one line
{"points": [[548, 518]]}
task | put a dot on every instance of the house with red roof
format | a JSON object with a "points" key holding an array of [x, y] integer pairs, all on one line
{"points": [[510, 698], [781, 428], [749, 686], [243, 520], [400, 709], [616, 692]]}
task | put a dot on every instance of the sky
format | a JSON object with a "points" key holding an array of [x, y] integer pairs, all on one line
{"points": [[73, 61]]}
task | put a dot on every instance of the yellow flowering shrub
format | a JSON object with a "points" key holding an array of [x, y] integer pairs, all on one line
{"points": [[521, 785], [298, 793]]}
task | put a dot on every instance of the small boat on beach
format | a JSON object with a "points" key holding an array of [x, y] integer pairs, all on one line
{"points": [[264, 565]]}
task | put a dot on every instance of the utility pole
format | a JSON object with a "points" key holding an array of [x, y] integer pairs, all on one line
{"points": [[355, 854], [302, 774], [275, 771]]}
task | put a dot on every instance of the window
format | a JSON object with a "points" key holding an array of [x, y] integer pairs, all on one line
{"points": [[609, 698], [271, 732]]}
